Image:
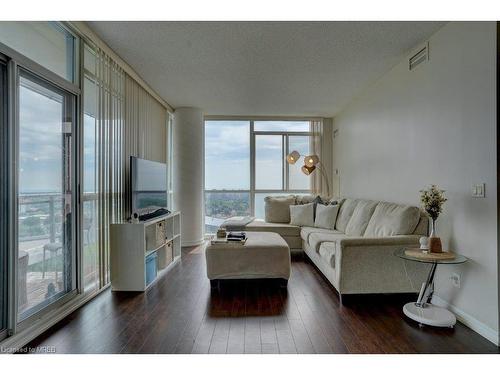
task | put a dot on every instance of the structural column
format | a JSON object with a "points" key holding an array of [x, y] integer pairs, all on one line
{"points": [[188, 172]]}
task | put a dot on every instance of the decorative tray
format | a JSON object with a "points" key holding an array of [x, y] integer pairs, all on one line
{"points": [[418, 253]]}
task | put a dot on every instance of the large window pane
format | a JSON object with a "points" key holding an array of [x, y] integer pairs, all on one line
{"points": [[45, 267], [227, 155], [269, 162], [296, 179], [282, 126], [90, 208], [3, 198], [221, 205], [46, 43]]}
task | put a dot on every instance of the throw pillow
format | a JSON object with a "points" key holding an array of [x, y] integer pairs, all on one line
{"points": [[277, 208], [326, 216], [317, 201], [302, 215]]}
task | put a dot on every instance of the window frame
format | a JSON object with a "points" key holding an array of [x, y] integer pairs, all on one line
{"points": [[285, 150], [15, 63], [4, 167]]}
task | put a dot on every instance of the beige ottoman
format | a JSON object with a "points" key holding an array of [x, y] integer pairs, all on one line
{"points": [[265, 255]]}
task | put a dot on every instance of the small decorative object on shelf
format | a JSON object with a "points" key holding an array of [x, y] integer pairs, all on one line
{"points": [[424, 243], [135, 218], [221, 233], [432, 202]]}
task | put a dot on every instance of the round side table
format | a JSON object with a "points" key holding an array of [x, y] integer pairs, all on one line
{"points": [[423, 311]]}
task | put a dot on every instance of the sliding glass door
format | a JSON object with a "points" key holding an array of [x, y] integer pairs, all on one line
{"points": [[46, 250], [3, 198]]}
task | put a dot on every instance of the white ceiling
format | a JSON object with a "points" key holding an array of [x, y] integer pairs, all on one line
{"points": [[262, 68]]}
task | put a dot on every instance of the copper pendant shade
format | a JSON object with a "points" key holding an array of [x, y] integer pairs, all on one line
{"points": [[311, 160], [292, 157], [308, 170]]}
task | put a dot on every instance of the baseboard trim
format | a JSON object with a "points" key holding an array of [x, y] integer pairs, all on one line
{"points": [[469, 320]]}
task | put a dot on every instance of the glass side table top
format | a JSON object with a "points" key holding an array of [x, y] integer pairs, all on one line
{"points": [[457, 260]]}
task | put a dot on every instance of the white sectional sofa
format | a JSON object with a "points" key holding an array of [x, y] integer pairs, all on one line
{"points": [[357, 255]]}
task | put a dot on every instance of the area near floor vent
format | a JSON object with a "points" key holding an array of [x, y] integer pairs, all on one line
{"points": [[421, 56]]}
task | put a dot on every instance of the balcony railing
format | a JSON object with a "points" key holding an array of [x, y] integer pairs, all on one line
{"points": [[40, 238]]}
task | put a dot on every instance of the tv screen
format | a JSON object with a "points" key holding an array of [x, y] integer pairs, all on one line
{"points": [[149, 185]]}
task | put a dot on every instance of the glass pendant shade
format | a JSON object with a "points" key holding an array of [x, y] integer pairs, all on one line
{"points": [[308, 170], [292, 157], [311, 160]]}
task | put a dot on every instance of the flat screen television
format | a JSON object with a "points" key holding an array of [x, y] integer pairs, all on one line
{"points": [[148, 185]]}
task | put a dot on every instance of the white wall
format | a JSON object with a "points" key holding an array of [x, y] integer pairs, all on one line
{"points": [[436, 124]]}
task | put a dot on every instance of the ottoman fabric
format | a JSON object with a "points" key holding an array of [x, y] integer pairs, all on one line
{"points": [[264, 255]]}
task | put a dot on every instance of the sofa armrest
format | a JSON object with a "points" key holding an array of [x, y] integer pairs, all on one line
{"points": [[368, 265], [379, 241]]}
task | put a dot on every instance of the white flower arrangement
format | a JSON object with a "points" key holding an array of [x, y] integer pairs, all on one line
{"points": [[432, 201]]}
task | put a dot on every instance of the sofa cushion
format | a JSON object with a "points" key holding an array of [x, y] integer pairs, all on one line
{"points": [[305, 232], [422, 227], [278, 208], [326, 216], [360, 217], [282, 229], [345, 212], [327, 252], [390, 219], [302, 215], [316, 239]]}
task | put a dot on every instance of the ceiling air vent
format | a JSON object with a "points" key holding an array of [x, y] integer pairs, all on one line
{"points": [[421, 56]]}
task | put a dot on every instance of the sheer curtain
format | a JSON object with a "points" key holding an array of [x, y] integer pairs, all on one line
{"points": [[319, 185], [121, 119], [104, 96], [146, 128]]}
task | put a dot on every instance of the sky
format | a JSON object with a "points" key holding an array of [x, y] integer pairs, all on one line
{"points": [[227, 155], [40, 149]]}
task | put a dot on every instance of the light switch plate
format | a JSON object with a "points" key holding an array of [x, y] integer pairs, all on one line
{"points": [[479, 190]]}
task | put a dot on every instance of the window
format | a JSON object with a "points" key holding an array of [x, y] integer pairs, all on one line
{"points": [[227, 171], [296, 179], [90, 178], [269, 160], [245, 162], [281, 126], [3, 198], [46, 43], [45, 204]]}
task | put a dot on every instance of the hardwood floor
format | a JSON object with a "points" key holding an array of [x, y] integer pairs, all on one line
{"points": [[180, 314]]}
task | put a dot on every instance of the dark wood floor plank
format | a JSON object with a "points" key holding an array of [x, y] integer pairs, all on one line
{"points": [[182, 314], [236, 338], [218, 345], [286, 343], [252, 335]]}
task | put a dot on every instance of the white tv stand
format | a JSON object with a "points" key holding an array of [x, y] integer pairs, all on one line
{"points": [[136, 246]]}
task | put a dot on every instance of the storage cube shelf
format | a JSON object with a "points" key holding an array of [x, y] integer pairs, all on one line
{"points": [[142, 252]]}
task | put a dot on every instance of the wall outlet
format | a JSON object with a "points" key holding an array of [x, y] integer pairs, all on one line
{"points": [[455, 280], [479, 190]]}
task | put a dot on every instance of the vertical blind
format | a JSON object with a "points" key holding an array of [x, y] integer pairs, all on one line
{"points": [[145, 128], [318, 185], [128, 122]]}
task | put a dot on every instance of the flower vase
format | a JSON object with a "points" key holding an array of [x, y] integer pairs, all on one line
{"points": [[434, 241]]}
